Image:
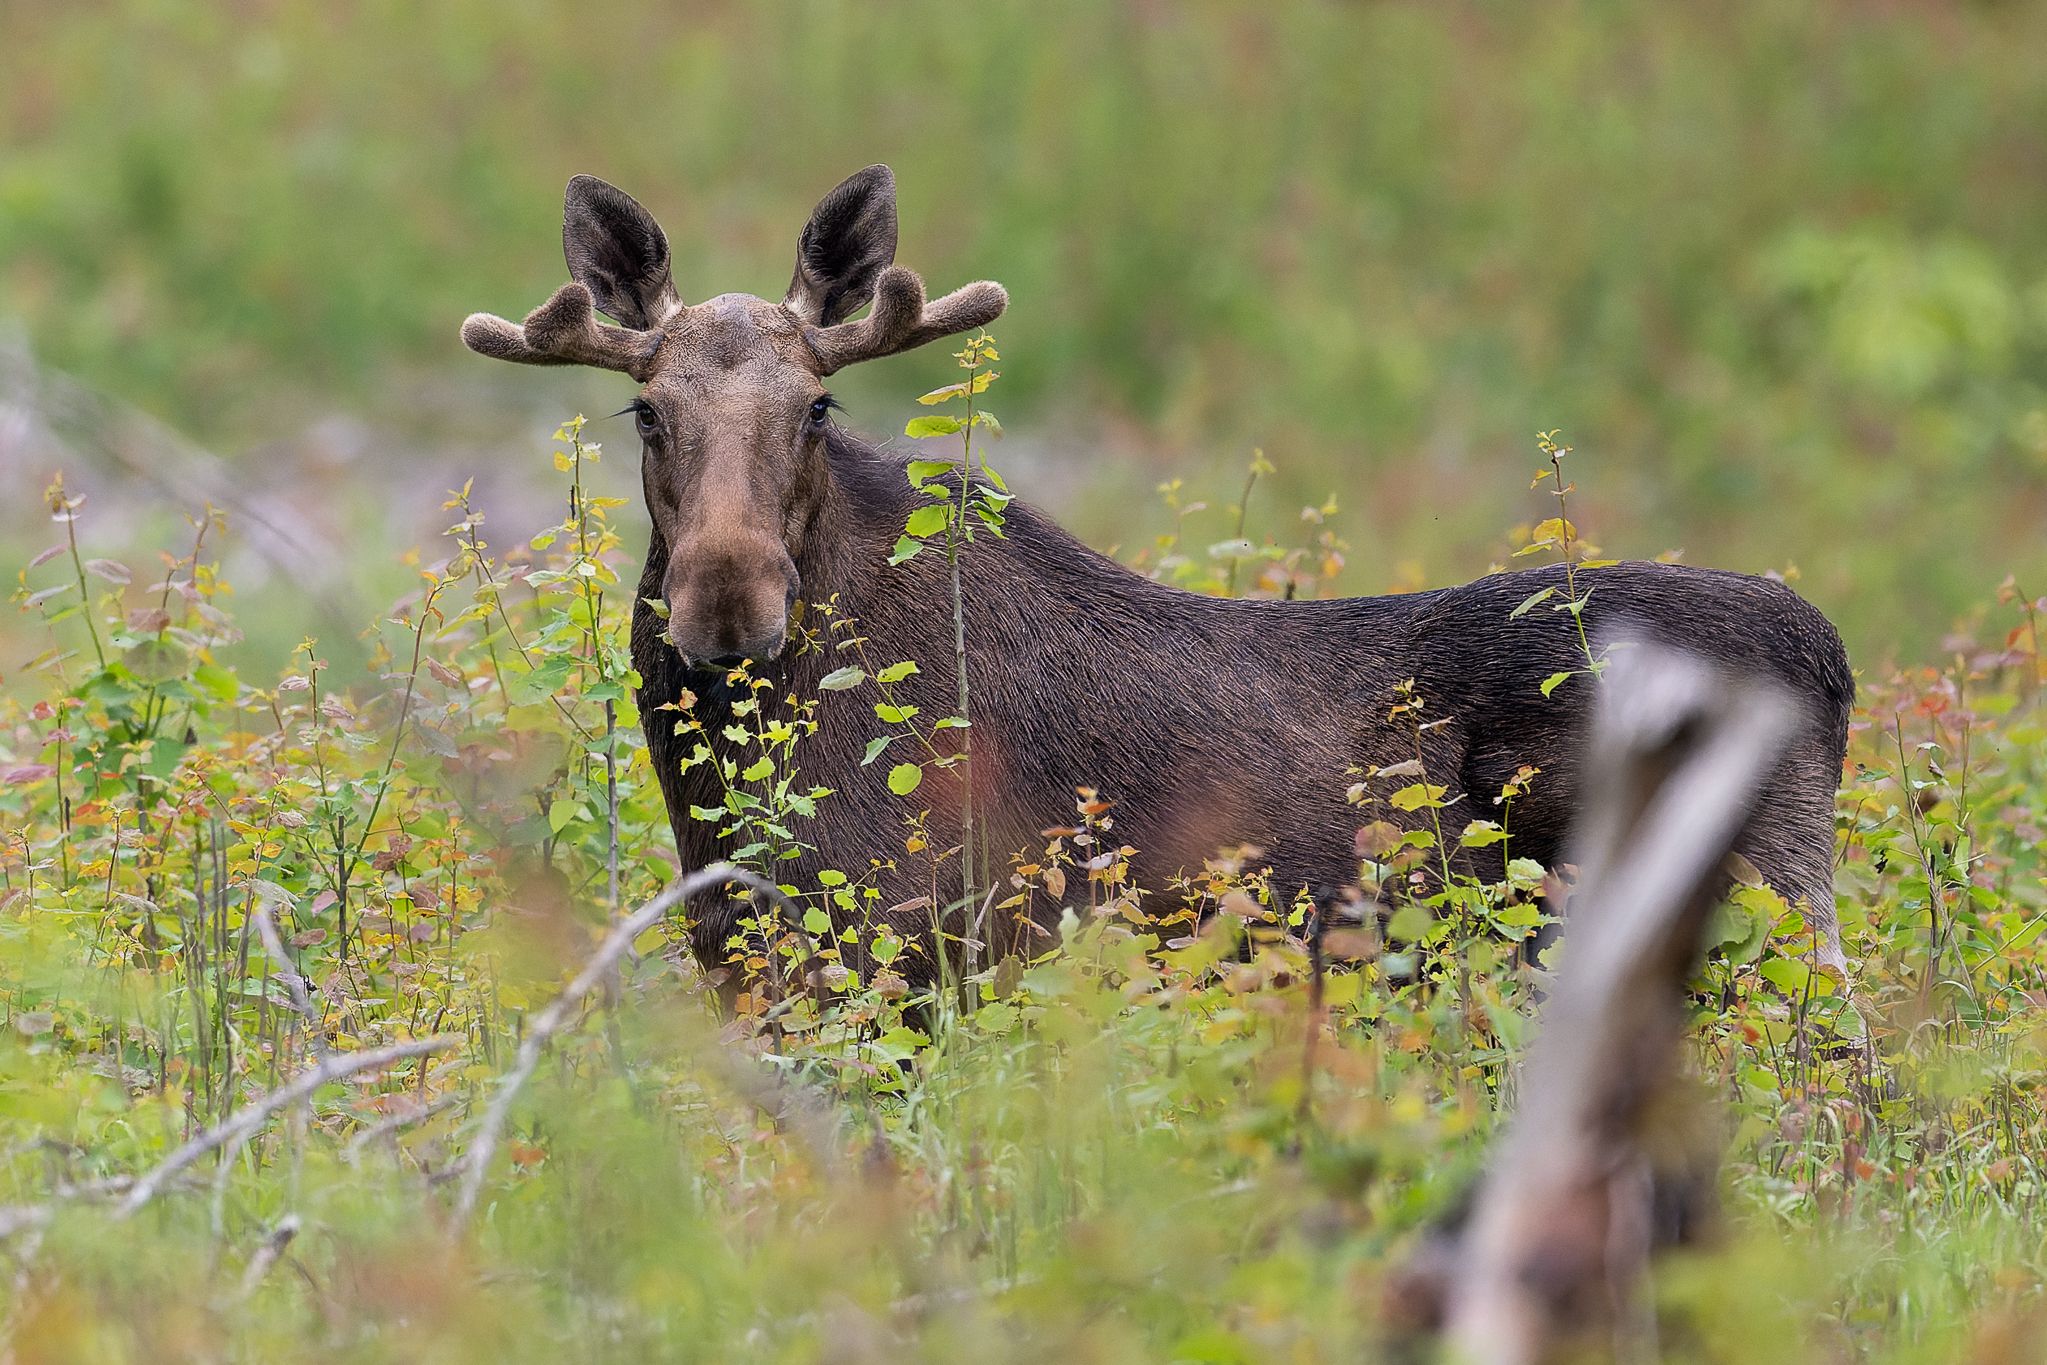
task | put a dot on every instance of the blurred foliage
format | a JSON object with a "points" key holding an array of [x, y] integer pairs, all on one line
{"points": [[1782, 266], [1170, 1135]]}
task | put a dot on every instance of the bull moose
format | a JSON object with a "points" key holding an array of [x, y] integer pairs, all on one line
{"points": [[1209, 722]]}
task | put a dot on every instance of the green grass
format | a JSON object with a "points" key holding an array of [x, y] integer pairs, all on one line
{"points": [[1128, 1150]]}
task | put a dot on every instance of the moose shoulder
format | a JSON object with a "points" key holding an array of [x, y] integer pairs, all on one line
{"points": [[1209, 722]]}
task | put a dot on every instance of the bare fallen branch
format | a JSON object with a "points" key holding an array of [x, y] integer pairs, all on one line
{"points": [[770, 1094], [294, 983], [266, 1256], [385, 1127], [244, 1122], [1561, 1229]]}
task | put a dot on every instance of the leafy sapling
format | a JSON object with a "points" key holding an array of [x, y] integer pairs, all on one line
{"points": [[957, 515], [1558, 534]]}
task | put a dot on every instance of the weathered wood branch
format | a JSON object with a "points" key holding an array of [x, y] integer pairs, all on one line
{"points": [[244, 1122], [765, 1092], [1559, 1235]]}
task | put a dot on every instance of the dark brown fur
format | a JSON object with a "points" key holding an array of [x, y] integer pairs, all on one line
{"points": [[1213, 722]]}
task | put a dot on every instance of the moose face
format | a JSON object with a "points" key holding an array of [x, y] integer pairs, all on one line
{"points": [[732, 426], [732, 413]]}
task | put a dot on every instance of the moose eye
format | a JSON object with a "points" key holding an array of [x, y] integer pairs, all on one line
{"points": [[821, 409], [646, 421]]}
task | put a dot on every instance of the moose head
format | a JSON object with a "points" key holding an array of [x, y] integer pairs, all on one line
{"points": [[732, 409]]}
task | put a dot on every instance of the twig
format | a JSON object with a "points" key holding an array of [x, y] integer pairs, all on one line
{"points": [[543, 1027], [384, 1127], [267, 1255], [19, 1218], [237, 1126], [294, 983]]}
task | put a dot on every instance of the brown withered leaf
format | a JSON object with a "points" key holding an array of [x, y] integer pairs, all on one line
{"points": [[1348, 943], [1376, 840]]}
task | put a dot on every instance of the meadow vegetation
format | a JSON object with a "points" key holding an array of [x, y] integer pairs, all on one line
{"points": [[318, 1038], [1181, 1130]]}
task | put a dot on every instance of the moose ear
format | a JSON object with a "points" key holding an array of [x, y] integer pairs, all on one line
{"points": [[618, 252], [849, 240]]}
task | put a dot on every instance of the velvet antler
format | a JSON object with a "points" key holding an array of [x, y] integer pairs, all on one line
{"points": [[900, 319], [564, 331]]}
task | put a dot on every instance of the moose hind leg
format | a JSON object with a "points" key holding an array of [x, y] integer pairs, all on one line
{"points": [[1790, 839]]}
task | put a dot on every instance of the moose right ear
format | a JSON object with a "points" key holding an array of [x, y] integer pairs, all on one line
{"points": [[618, 252]]}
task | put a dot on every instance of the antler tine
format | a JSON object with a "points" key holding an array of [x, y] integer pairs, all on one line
{"points": [[563, 331], [900, 319]]}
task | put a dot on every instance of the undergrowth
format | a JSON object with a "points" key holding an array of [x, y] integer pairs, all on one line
{"points": [[1166, 1135]]}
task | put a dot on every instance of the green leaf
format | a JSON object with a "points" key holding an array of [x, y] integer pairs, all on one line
{"points": [[525, 689], [1554, 681], [1409, 923], [817, 921], [655, 605], [560, 813], [1416, 795], [980, 383], [758, 769], [156, 661], [904, 777], [920, 470], [831, 877], [1528, 603], [906, 548], [839, 679], [893, 714], [927, 520], [874, 748], [895, 673], [1787, 974], [941, 424], [217, 681]]}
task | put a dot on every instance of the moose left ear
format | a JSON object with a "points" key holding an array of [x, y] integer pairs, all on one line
{"points": [[849, 240], [618, 252]]}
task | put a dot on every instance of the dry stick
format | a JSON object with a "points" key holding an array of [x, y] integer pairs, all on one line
{"points": [[294, 983], [302, 1004], [245, 1121], [543, 1027], [384, 1127], [267, 1256], [1678, 755]]}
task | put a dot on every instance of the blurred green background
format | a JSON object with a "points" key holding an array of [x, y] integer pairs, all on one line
{"points": [[1778, 270]]}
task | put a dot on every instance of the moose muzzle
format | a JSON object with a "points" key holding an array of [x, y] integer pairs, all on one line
{"points": [[730, 602]]}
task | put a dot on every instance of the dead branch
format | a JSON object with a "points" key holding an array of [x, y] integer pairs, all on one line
{"points": [[1559, 1236], [244, 1122], [768, 1093], [384, 1127], [294, 983], [266, 1256]]}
